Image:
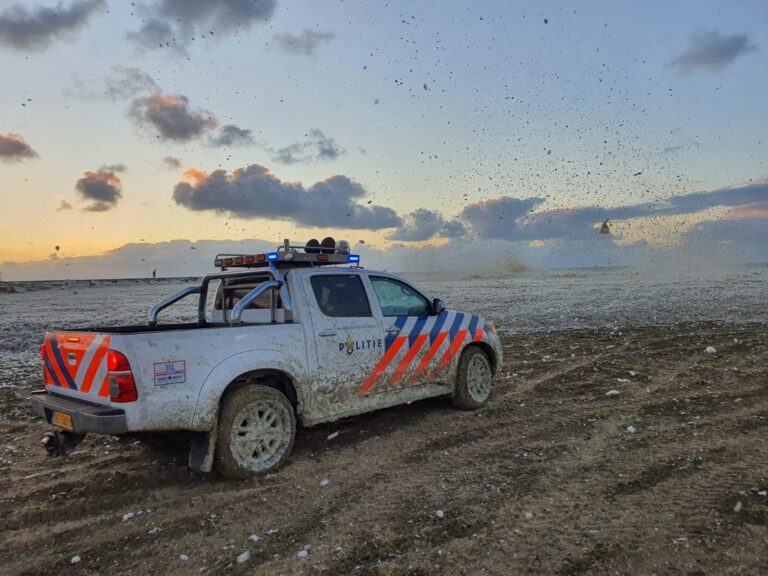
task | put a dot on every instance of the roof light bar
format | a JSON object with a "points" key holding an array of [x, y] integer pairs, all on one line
{"points": [[312, 254]]}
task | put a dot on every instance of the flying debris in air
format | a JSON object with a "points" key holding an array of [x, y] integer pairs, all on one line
{"points": [[604, 229], [57, 247], [638, 173]]}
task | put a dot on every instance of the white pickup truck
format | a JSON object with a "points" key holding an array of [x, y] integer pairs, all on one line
{"points": [[303, 334]]}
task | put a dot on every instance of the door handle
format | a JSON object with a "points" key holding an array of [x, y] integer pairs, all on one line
{"points": [[327, 333], [392, 330]]}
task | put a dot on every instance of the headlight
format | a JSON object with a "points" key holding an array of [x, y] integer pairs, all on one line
{"points": [[490, 327]]}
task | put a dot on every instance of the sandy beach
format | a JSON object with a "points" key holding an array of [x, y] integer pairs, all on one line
{"points": [[558, 475]]}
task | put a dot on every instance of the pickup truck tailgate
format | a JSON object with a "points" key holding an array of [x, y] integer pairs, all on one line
{"points": [[75, 364]]}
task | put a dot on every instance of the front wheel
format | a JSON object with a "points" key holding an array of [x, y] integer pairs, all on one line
{"points": [[257, 426], [473, 380]]}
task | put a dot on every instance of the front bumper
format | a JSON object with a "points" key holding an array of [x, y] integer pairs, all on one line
{"points": [[86, 417]]}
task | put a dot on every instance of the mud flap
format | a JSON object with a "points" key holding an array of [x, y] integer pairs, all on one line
{"points": [[60, 443], [201, 451]]}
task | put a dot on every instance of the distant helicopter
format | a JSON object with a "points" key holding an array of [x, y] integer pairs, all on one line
{"points": [[604, 229]]}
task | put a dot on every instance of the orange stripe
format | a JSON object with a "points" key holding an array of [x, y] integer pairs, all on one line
{"points": [[428, 356], [52, 361], [451, 352], [382, 365], [478, 335], [406, 361], [94, 367], [104, 390]]}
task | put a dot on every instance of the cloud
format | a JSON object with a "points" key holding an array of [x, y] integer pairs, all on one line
{"points": [[127, 82], [171, 117], [513, 219], [317, 146], [176, 23], [13, 148], [253, 192], [35, 29], [113, 167], [64, 205], [102, 188], [710, 51], [423, 224], [304, 43], [231, 135], [496, 218], [743, 239], [172, 162]]}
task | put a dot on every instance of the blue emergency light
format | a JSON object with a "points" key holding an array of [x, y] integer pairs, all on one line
{"points": [[272, 256], [353, 258]]}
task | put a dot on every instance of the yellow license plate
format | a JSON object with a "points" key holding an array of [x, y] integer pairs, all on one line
{"points": [[63, 421]]}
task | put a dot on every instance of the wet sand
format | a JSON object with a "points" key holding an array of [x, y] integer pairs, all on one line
{"points": [[548, 479]]}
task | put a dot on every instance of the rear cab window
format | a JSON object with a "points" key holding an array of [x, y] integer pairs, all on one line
{"points": [[231, 290], [397, 298], [341, 296]]}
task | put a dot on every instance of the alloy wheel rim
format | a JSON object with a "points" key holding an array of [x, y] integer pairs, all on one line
{"points": [[260, 435], [478, 379]]}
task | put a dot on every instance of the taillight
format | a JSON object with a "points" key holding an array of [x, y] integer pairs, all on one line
{"points": [[117, 362], [122, 387]]}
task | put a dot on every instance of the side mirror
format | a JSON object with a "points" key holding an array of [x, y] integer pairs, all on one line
{"points": [[438, 306]]}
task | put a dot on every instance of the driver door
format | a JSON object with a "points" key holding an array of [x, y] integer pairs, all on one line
{"points": [[348, 341]]}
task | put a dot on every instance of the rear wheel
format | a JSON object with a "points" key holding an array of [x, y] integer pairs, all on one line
{"points": [[473, 380], [257, 427]]}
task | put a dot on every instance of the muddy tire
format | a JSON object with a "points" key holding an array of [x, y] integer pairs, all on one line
{"points": [[474, 380], [257, 426]]}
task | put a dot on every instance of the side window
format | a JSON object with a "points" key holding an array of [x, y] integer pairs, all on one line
{"points": [[341, 296], [398, 299]]}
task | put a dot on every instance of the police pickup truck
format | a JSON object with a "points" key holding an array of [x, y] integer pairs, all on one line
{"points": [[300, 335]]}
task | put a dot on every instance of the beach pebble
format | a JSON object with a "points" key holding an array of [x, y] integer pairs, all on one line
{"points": [[254, 537], [439, 513], [529, 515], [710, 350], [631, 429], [763, 493], [612, 393], [183, 557], [75, 560], [127, 516], [244, 557], [622, 380], [303, 553], [325, 482], [272, 531], [632, 373], [738, 507], [155, 530], [333, 435]]}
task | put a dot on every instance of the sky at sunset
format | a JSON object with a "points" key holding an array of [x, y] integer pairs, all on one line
{"points": [[156, 133]]}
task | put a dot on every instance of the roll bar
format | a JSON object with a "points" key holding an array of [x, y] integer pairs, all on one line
{"points": [[276, 282]]}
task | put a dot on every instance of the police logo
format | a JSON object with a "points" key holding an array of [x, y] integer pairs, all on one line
{"points": [[351, 345]]}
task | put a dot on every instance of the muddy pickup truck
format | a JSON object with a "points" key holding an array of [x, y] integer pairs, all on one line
{"points": [[300, 335]]}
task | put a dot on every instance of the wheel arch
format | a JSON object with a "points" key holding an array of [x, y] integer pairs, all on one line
{"points": [[266, 377], [487, 349], [264, 367]]}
